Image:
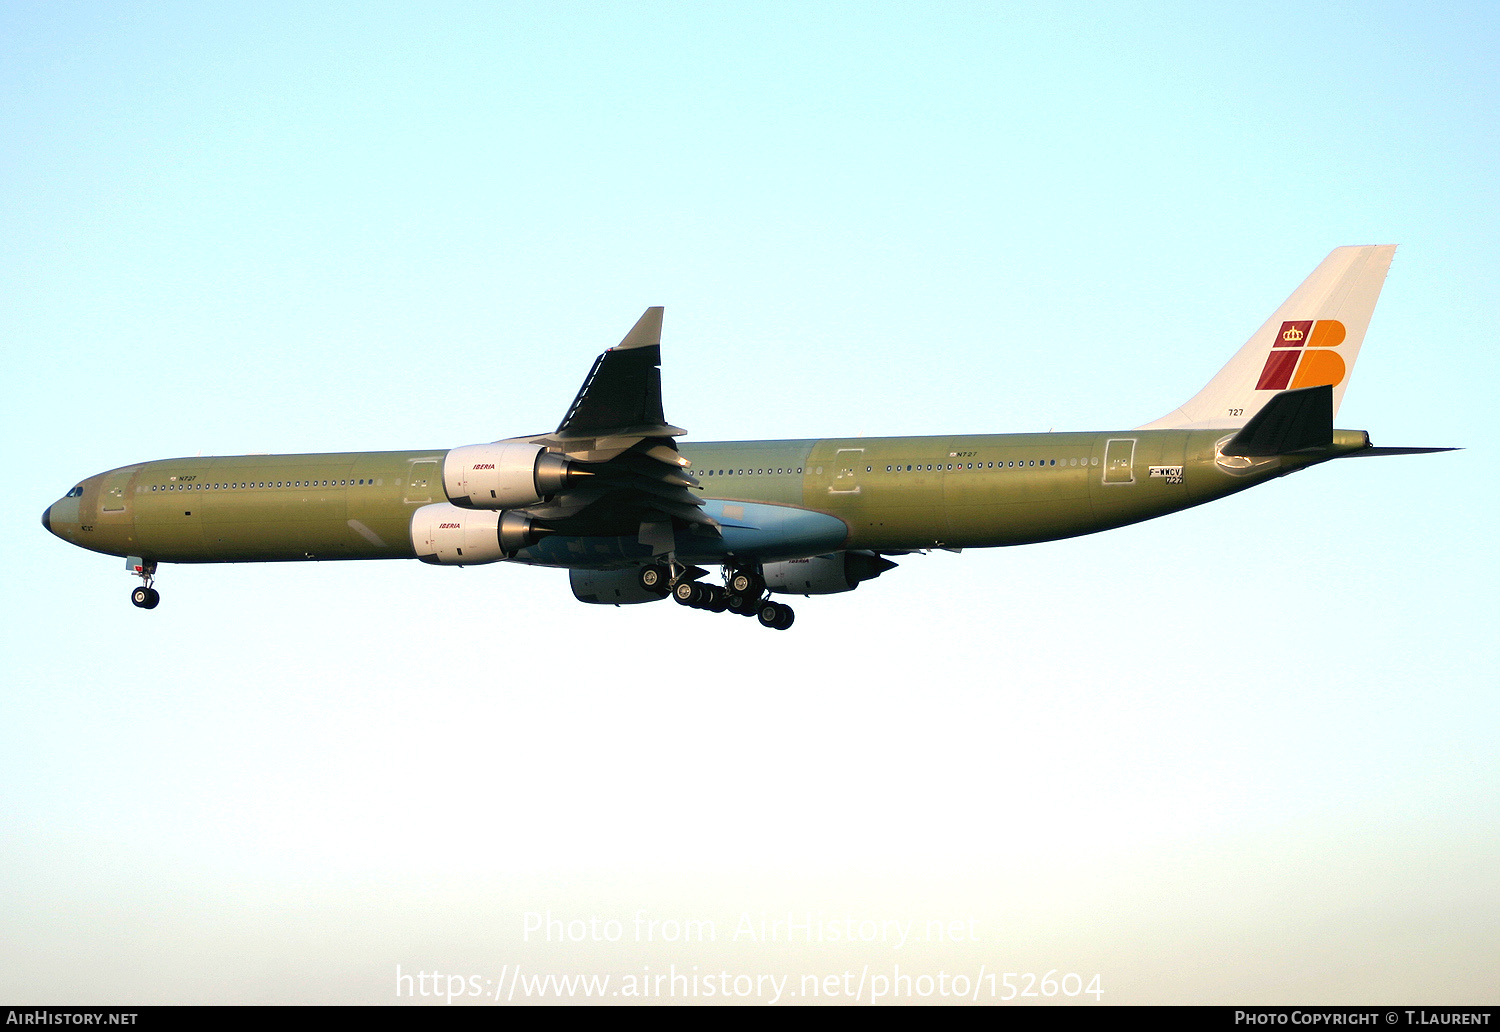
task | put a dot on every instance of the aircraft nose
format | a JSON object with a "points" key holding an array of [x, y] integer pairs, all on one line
{"points": [[47, 518]]}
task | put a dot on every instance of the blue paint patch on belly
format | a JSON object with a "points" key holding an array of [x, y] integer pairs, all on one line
{"points": [[751, 531]]}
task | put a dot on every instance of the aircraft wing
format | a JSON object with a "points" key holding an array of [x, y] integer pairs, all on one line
{"points": [[615, 428]]}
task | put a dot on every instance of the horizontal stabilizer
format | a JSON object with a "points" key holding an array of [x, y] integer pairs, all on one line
{"points": [[1396, 451], [1292, 421]]}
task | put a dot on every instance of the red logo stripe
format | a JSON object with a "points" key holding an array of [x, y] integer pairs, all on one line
{"points": [[1278, 371]]}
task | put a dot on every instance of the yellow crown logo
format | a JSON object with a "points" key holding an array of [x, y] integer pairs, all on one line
{"points": [[1292, 333]]}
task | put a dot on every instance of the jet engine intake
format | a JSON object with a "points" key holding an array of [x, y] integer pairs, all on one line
{"points": [[824, 574], [504, 475]]}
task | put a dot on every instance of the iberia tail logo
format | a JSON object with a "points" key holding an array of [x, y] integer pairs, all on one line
{"points": [[1303, 355]]}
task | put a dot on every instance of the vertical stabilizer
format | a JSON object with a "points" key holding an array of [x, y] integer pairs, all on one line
{"points": [[1311, 341]]}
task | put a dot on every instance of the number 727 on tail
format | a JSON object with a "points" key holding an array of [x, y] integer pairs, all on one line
{"points": [[635, 515]]}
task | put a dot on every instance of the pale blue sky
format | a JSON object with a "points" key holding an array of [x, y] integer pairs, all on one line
{"points": [[1242, 754]]}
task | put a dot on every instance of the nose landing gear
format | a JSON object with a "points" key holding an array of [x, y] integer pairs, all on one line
{"points": [[145, 596]]}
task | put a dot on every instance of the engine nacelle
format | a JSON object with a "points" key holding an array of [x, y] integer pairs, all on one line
{"points": [[446, 535], [611, 587], [503, 475], [824, 574]]}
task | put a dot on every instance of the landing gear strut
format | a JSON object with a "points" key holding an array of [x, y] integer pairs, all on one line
{"points": [[145, 596]]}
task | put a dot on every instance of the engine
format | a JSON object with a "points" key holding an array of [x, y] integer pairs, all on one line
{"points": [[825, 574], [611, 587], [504, 475], [446, 535]]}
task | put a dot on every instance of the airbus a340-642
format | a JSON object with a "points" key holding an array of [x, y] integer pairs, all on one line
{"points": [[634, 516]]}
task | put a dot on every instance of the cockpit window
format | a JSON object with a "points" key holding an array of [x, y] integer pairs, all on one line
{"points": [[77, 492]]}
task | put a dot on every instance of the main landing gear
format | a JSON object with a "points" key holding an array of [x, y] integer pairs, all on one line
{"points": [[743, 592], [145, 596]]}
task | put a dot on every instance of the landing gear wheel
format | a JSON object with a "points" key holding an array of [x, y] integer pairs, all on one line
{"points": [[655, 579], [746, 582], [740, 605], [145, 598], [776, 615], [716, 599], [688, 593]]}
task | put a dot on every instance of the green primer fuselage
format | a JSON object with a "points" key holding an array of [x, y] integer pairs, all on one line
{"points": [[894, 494]]}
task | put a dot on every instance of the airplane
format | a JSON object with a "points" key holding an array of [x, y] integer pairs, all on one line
{"points": [[634, 516]]}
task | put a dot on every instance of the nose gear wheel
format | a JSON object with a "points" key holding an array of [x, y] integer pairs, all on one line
{"points": [[145, 596]]}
